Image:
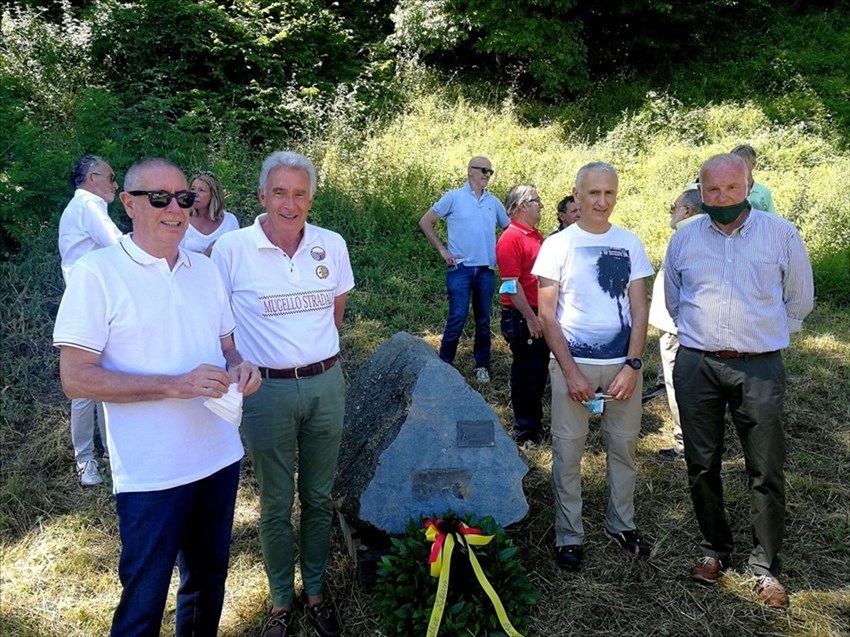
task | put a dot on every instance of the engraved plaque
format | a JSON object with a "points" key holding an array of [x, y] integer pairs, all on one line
{"points": [[475, 433], [446, 482]]}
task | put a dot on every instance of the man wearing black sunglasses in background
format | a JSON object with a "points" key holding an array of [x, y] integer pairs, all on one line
{"points": [[147, 328], [85, 226], [471, 215]]}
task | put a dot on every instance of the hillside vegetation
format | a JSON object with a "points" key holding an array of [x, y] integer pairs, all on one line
{"points": [[391, 115]]}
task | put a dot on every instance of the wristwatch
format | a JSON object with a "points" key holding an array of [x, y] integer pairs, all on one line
{"points": [[634, 363]]}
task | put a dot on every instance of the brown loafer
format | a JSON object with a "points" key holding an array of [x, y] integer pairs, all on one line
{"points": [[707, 570], [770, 592]]}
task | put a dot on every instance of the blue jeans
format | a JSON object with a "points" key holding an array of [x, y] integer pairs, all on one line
{"points": [[529, 371], [463, 283], [190, 524]]}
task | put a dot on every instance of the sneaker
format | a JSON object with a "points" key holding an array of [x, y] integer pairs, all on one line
{"points": [[482, 375], [631, 543], [529, 444], [568, 558], [324, 617], [770, 591], [88, 473], [279, 624], [707, 570]]}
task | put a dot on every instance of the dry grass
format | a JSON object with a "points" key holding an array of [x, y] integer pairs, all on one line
{"points": [[60, 543]]}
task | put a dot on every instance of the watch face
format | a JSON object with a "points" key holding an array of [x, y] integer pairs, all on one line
{"points": [[634, 363]]}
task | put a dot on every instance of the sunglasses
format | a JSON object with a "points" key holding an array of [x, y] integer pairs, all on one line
{"points": [[161, 198], [487, 171], [111, 177]]}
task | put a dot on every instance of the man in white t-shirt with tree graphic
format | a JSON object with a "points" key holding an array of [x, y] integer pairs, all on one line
{"points": [[592, 302]]}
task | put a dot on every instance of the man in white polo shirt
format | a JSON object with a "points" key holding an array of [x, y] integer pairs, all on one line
{"points": [[85, 226], [471, 215], [288, 281], [147, 328]]}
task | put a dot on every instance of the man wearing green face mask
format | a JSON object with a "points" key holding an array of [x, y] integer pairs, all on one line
{"points": [[737, 283]]}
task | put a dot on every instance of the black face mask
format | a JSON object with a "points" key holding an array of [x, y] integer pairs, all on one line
{"points": [[724, 215]]}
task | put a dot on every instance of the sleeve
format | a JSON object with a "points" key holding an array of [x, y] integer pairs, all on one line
{"points": [[100, 227], [508, 256], [672, 278], [346, 276], [797, 283], [443, 207], [641, 267], [82, 319], [547, 264], [501, 215]]}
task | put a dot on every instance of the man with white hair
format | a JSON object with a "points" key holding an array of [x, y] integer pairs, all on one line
{"points": [[593, 306], [737, 283]]}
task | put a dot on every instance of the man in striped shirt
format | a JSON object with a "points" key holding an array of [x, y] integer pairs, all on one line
{"points": [[738, 282]]}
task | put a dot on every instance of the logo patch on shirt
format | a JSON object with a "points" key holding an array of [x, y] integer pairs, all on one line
{"points": [[318, 253], [322, 272]]}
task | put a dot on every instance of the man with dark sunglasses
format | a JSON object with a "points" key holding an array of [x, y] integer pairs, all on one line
{"points": [[471, 215], [147, 328], [85, 225]]}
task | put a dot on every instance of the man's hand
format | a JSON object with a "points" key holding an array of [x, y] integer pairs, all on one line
{"points": [[449, 258], [247, 377], [535, 327], [623, 385], [205, 380], [578, 385]]}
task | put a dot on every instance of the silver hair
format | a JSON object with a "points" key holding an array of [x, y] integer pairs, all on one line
{"points": [[719, 160], [288, 159], [692, 199], [518, 195], [744, 151], [131, 179], [594, 166], [83, 166]]}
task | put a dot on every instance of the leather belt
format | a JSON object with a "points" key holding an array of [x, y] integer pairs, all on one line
{"points": [[731, 353], [300, 372]]}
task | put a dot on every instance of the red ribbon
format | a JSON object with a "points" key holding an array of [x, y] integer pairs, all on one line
{"points": [[444, 527]]}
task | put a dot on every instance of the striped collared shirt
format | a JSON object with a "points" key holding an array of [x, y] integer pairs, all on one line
{"points": [[747, 291]]}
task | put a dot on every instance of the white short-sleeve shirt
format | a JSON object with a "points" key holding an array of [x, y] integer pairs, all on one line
{"points": [[143, 318], [594, 272], [284, 308]]}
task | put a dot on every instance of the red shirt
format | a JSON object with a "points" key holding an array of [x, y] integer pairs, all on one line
{"points": [[516, 252]]}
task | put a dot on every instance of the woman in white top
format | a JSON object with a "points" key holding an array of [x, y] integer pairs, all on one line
{"points": [[208, 220]]}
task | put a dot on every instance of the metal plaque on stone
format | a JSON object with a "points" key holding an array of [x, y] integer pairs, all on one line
{"points": [[475, 433]]}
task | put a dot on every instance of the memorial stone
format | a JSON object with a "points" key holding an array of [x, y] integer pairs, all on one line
{"points": [[418, 441]]}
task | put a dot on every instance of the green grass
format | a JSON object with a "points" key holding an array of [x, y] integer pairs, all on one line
{"points": [[60, 544]]}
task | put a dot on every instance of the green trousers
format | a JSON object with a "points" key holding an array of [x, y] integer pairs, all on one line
{"points": [[285, 420], [753, 388]]}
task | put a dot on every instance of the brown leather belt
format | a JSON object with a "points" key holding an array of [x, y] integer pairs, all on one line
{"points": [[300, 372]]}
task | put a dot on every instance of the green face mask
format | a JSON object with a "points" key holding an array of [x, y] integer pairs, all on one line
{"points": [[724, 215]]}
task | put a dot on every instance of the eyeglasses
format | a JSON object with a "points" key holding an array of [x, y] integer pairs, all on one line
{"points": [[535, 200], [161, 198], [674, 207], [487, 171], [111, 177]]}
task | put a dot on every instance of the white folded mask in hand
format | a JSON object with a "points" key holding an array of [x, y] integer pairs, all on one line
{"points": [[228, 406]]}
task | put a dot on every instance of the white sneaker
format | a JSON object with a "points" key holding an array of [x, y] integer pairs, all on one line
{"points": [[482, 375], [88, 473]]}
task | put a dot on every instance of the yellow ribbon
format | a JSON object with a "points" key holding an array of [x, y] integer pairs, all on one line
{"points": [[444, 544]]}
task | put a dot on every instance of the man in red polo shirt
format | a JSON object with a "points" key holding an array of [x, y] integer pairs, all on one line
{"points": [[516, 252]]}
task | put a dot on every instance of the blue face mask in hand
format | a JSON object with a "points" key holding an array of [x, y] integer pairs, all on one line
{"points": [[597, 404]]}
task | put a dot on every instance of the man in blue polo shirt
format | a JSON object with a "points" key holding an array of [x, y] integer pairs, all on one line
{"points": [[471, 216]]}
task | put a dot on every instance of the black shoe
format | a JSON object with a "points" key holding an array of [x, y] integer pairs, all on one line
{"points": [[568, 558], [631, 543], [669, 454], [279, 624], [323, 617]]}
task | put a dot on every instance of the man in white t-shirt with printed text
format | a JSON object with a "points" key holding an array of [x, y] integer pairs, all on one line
{"points": [[593, 304]]}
